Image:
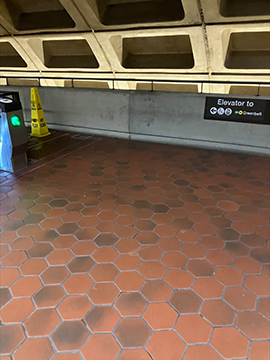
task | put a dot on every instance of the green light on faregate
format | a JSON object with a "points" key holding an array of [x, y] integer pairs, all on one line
{"points": [[15, 120]]}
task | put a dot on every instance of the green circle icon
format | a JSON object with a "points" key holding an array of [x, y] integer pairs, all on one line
{"points": [[15, 120]]}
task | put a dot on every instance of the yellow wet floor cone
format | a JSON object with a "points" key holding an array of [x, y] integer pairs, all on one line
{"points": [[38, 123]]}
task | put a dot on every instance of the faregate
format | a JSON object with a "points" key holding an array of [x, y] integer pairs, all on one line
{"points": [[13, 135]]}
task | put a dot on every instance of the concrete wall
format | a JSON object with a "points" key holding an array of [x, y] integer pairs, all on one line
{"points": [[174, 118]]}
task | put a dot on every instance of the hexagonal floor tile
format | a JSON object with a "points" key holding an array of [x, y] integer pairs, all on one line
{"points": [[259, 285], [151, 252], [193, 251], [218, 312], [64, 241], [106, 240], [127, 262], [160, 316], [152, 270], [169, 244], [81, 264], [40, 250], [49, 296], [102, 319], [127, 245], [11, 337], [262, 255], [60, 257], [236, 248], [253, 240], [33, 267], [42, 322], [129, 281], [13, 259], [39, 348], [200, 268], [104, 272], [193, 329], [105, 255], [229, 276], [67, 356], [165, 345], [254, 325], [208, 288], [54, 275], [100, 346], [247, 266], [126, 232], [156, 291], [219, 258], [74, 307], [103, 293], [179, 279], [16, 310], [145, 225], [5, 296], [147, 238], [70, 335], [264, 307], [238, 343], [174, 260], [83, 248], [185, 301], [9, 276], [188, 236], [78, 284], [202, 352], [21, 243], [134, 355], [141, 204], [132, 333], [260, 350], [58, 203], [130, 304], [240, 298], [26, 286]]}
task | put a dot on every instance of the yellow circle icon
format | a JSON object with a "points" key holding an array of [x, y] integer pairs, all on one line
{"points": [[240, 112]]}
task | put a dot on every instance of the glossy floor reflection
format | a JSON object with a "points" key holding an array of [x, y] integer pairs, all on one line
{"points": [[124, 250]]}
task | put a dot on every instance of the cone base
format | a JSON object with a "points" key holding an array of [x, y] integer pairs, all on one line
{"points": [[40, 135]]}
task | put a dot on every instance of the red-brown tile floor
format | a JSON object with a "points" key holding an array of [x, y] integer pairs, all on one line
{"points": [[131, 251]]}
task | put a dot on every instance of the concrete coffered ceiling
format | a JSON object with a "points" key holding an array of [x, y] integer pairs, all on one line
{"points": [[148, 44]]}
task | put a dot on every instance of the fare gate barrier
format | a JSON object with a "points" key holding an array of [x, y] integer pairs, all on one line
{"points": [[13, 135]]}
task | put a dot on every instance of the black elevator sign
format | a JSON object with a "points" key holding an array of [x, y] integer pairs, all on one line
{"points": [[238, 110]]}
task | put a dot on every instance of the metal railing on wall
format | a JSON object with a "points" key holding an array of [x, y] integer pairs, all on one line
{"points": [[176, 85]]}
